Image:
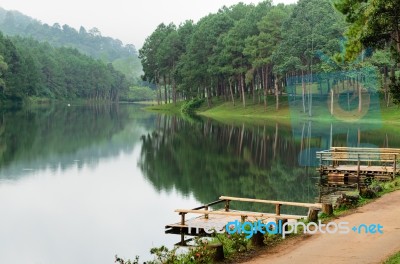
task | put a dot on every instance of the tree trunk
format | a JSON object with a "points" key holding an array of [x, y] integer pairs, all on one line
{"points": [[276, 92], [303, 91], [174, 91], [159, 95], [265, 77], [165, 90], [332, 94], [310, 97], [209, 95], [276, 138], [385, 86], [253, 86], [243, 86], [230, 88], [359, 96], [208, 101]]}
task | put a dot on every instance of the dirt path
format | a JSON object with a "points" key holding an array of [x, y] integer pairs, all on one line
{"points": [[346, 248]]}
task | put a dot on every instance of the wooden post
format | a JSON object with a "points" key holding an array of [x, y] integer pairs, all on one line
{"points": [[219, 251], [182, 233], [227, 205], [284, 220], [394, 166], [320, 162], [257, 239], [327, 209], [278, 209], [243, 218], [206, 215], [313, 214], [183, 218], [182, 238]]}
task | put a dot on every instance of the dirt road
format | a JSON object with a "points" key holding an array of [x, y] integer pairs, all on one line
{"points": [[346, 248]]}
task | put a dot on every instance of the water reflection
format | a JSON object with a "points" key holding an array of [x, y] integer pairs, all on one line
{"points": [[210, 159], [61, 137], [89, 182], [270, 160]]}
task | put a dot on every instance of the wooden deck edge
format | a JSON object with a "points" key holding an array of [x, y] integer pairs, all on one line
{"points": [[238, 213], [318, 205]]}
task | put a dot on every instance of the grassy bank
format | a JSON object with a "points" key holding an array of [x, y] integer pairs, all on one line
{"points": [[226, 111], [395, 259]]}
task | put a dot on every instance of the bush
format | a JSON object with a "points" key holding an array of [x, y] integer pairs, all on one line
{"points": [[190, 106]]}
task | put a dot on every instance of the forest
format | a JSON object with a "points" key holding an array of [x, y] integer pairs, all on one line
{"points": [[89, 42], [252, 52], [30, 69]]}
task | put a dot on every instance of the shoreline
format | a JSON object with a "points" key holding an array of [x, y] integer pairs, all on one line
{"points": [[256, 112]]}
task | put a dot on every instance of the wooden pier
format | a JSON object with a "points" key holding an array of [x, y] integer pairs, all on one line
{"points": [[356, 165], [219, 218]]}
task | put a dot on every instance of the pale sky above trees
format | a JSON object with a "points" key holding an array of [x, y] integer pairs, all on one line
{"points": [[129, 21]]}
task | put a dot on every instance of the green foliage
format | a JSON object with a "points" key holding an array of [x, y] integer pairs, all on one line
{"points": [[200, 253], [38, 69], [241, 49], [394, 259], [122, 261], [89, 42], [164, 255], [374, 23], [394, 87], [137, 93], [233, 243], [190, 106], [313, 26], [3, 68]]}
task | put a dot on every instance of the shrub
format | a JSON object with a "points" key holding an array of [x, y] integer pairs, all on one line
{"points": [[190, 106]]}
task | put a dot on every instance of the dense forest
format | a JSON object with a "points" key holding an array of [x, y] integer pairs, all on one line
{"points": [[250, 52], [90, 42], [29, 68]]}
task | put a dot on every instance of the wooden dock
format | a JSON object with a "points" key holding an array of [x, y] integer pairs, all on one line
{"points": [[358, 164], [218, 219]]}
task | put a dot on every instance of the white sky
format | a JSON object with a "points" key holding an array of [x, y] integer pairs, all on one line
{"points": [[130, 21]]}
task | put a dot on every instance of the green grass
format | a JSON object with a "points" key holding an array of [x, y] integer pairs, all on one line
{"points": [[166, 108], [225, 111], [147, 103], [395, 259]]}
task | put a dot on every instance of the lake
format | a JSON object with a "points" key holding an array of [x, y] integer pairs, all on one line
{"points": [[81, 184]]}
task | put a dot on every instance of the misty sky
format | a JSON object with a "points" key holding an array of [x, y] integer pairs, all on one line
{"points": [[130, 21]]}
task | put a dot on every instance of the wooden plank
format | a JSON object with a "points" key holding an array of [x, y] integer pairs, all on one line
{"points": [[318, 205], [238, 213], [353, 149], [361, 159], [372, 169]]}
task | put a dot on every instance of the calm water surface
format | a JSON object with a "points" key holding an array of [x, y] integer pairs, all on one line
{"points": [[80, 184]]}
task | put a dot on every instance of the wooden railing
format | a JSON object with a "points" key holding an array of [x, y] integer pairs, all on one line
{"points": [[383, 157], [314, 208], [329, 155]]}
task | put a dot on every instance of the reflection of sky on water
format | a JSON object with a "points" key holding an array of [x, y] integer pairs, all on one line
{"points": [[85, 215]]}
